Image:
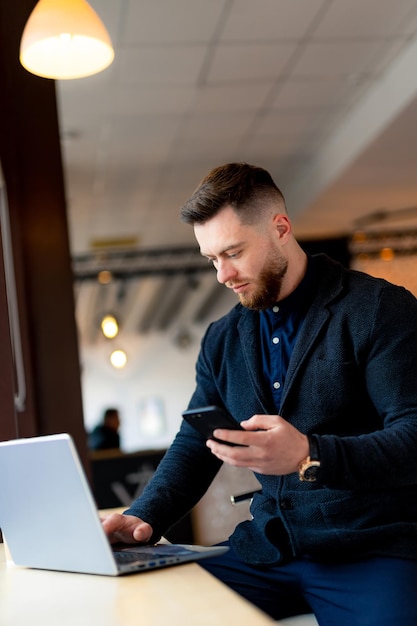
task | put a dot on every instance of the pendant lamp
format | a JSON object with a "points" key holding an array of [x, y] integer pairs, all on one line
{"points": [[65, 39]]}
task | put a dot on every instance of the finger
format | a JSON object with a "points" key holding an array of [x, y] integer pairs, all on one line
{"points": [[124, 528], [233, 455], [112, 522], [235, 437], [261, 422], [142, 533]]}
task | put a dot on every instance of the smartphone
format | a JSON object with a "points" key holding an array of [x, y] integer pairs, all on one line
{"points": [[207, 418]]}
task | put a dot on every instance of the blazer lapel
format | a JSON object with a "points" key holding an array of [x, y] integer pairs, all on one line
{"points": [[248, 330], [327, 286]]}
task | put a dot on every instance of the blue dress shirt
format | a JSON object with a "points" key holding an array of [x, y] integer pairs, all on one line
{"points": [[279, 328]]}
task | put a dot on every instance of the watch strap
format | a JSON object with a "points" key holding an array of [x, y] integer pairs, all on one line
{"points": [[309, 468], [314, 448]]}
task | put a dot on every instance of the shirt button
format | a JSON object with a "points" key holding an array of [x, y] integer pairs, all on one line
{"points": [[275, 340], [277, 385], [275, 309]]}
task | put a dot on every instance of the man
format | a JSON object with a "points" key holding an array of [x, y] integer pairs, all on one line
{"points": [[105, 436], [318, 364]]}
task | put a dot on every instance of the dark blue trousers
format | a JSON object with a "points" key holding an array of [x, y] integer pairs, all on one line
{"points": [[370, 592]]}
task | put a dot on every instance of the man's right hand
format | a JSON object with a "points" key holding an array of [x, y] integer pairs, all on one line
{"points": [[126, 529]]}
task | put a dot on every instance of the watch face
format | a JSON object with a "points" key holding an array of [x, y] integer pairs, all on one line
{"points": [[308, 470], [311, 472]]}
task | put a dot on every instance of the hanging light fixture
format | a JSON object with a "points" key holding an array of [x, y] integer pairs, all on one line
{"points": [[118, 359], [65, 39], [109, 326]]}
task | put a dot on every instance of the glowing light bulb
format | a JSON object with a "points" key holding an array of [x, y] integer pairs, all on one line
{"points": [[109, 326], [118, 359]]}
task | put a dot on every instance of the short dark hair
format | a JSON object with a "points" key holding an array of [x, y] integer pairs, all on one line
{"points": [[110, 413], [246, 188]]}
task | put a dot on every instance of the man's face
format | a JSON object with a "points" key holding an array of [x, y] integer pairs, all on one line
{"points": [[248, 258]]}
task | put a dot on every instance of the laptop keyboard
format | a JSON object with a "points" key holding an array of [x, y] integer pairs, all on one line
{"points": [[149, 553], [123, 558]]}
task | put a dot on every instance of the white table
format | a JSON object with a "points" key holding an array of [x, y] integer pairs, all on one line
{"points": [[181, 595]]}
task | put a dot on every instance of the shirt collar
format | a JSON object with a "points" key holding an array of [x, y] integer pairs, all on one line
{"points": [[300, 294]]}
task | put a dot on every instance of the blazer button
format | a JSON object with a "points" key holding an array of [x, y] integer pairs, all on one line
{"points": [[286, 504]]}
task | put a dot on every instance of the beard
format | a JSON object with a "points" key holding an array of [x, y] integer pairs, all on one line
{"points": [[269, 283]]}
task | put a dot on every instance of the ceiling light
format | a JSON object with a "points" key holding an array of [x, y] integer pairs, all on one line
{"points": [[65, 39], [109, 326], [104, 277], [118, 359]]}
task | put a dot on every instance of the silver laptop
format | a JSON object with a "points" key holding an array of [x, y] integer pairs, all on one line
{"points": [[49, 518]]}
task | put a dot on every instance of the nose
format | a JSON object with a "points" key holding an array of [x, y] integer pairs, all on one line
{"points": [[225, 271]]}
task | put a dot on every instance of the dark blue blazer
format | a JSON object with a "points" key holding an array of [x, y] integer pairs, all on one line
{"points": [[352, 381]]}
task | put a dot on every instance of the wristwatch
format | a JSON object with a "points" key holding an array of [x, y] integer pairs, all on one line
{"points": [[309, 468]]}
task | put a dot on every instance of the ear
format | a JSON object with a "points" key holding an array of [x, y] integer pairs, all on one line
{"points": [[282, 225]]}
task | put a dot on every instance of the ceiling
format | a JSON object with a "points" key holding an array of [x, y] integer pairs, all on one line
{"points": [[322, 93]]}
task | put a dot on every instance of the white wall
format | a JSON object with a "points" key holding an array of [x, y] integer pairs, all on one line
{"points": [[156, 369]]}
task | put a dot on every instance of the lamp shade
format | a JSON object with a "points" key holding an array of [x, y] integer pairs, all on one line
{"points": [[65, 39]]}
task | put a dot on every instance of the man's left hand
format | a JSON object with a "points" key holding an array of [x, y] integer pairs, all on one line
{"points": [[270, 445]]}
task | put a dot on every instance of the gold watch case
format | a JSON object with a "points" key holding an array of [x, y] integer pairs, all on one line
{"points": [[308, 470]]}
